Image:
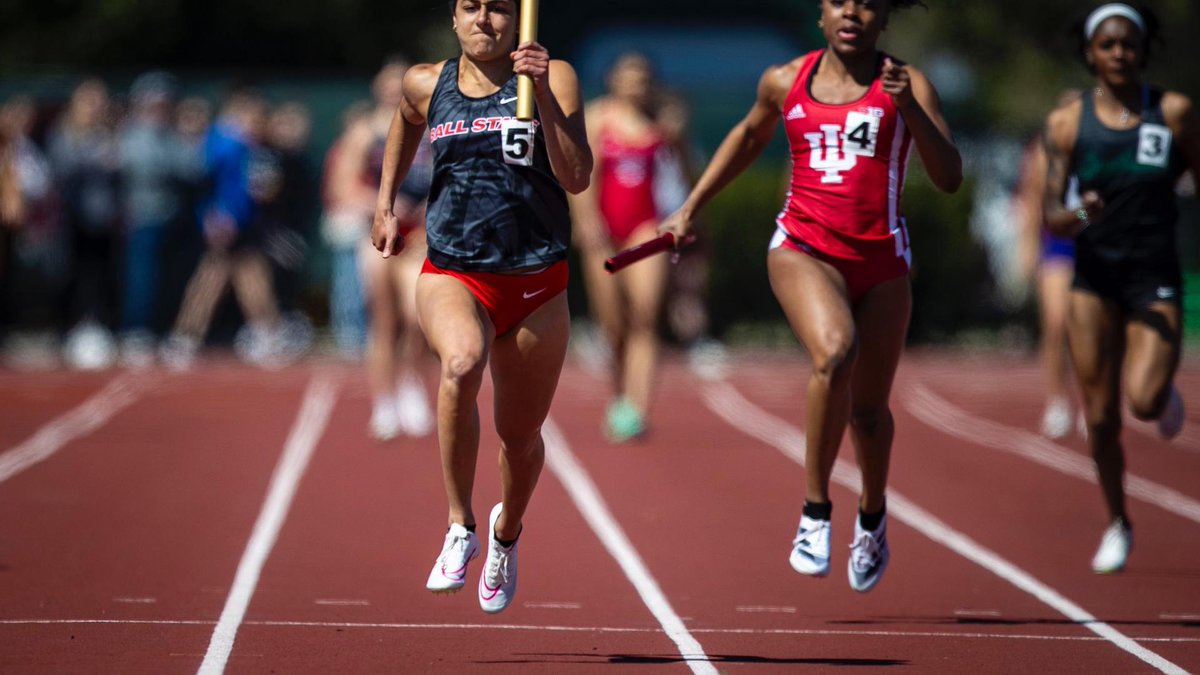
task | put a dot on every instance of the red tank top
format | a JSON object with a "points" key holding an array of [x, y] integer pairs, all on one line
{"points": [[848, 167], [627, 184]]}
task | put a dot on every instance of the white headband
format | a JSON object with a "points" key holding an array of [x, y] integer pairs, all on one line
{"points": [[1106, 12]]}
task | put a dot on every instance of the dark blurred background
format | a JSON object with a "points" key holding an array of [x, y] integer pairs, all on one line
{"points": [[999, 67]]}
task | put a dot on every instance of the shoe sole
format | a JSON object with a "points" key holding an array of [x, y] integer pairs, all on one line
{"points": [[816, 574]]}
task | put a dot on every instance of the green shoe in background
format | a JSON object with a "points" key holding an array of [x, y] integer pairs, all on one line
{"points": [[624, 422]]}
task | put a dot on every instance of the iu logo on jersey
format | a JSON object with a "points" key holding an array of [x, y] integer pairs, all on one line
{"points": [[827, 155], [837, 148]]}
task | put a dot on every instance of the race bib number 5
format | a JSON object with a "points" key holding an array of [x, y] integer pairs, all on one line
{"points": [[516, 139]]}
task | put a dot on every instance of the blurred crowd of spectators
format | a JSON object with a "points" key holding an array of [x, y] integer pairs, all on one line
{"points": [[125, 218]]}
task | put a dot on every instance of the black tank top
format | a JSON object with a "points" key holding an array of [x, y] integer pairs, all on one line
{"points": [[494, 204], [1134, 171]]}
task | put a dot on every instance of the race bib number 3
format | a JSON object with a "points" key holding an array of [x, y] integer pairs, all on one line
{"points": [[1154, 145], [516, 139]]}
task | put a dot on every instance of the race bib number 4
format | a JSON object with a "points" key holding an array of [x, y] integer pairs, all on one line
{"points": [[862, 132], [516, 139], [1154, 145]]}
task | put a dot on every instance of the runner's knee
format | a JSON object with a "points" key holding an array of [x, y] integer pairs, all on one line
{"points": [[464, 366], [1147, 405], [833, 354], [871, 421]]}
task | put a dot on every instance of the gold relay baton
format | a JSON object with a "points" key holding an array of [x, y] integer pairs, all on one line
{"points": [[528, 33]]}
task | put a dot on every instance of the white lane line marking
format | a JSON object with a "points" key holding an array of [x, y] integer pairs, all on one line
{"points": [[90, 415], [331, 602], [765, 609], [553, 605], [586, 629], [976, 612], [591, 505], [136, 601], [310, 424], [944, 416], [740, 413]]}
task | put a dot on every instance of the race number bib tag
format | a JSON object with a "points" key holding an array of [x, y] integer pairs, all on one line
{"points": [[862, 131], [516, 141], [1154, 145]]}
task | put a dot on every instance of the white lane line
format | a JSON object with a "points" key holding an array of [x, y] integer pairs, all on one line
{"points": [[764, 609], [591, 505], [991, 613], [944, 416], [90, 415], [553, 605], [587, 629], [310, 424], [740, 413], [333, 602], [135, 601]]}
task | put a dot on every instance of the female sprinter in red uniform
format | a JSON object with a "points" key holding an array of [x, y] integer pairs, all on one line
{"points": [[1127, 143], [839, 259], [616, 212], [491, 294]]}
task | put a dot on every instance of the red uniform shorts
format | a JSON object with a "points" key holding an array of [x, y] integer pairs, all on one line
{"points": [[509, 298], [878, 264]]}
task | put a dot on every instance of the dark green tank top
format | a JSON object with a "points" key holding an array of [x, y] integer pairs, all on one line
{"points": [[1134, 171]]}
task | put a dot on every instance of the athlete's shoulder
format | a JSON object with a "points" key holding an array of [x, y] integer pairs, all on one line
{"points": [[421, 79], [562, 75], [777, 80], [1063, 119], [562, 67]]}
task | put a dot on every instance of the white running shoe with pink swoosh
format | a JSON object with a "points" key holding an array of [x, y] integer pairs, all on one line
{"points": [[498, 583], [449, 573]]}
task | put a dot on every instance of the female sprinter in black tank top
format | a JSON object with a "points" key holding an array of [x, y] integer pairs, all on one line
{"points": [[492, 292], [1127, 143]]}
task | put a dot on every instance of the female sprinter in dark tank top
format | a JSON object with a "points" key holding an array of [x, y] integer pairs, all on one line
{"points": [[1127, 143], [491, 295]]}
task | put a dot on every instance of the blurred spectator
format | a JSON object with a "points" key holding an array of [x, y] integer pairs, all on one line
{"points": [[84, 158], [343, 228], [242, 174], [34, 251], [11, 213], [157, 165], [289, 219]]}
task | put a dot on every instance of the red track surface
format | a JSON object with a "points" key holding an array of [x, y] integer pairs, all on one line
{"points": [[119, 549]]}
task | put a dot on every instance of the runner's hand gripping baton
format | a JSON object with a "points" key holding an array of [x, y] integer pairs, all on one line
{"points": [[623, 259], [528, 33]]}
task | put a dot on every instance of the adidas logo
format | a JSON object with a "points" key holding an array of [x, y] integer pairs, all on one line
{"points": [[796, 113]]}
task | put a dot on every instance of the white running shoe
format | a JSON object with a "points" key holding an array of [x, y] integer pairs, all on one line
{"points": [[385, 421], [1114, 548], [810, 548], [1172, 419], [498, 583], [1056, 420], [868, 556], [415, 416], [178, 352], [449, 573]]}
